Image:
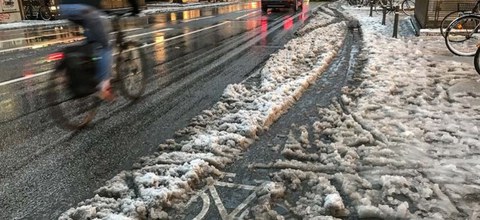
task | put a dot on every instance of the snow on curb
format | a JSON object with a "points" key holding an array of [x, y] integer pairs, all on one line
{"points": [[220, 134]]}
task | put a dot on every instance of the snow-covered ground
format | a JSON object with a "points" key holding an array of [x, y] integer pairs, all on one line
{"points": [[403, 144]]}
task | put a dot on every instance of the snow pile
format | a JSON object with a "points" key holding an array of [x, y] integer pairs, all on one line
{"points": [[143, 192], [220, 134]]}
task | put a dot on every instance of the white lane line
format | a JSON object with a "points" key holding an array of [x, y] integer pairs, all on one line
{"points": [[196, 19], [232, 175], [148, 33], [251, 13], [145, 45], [24, 78]]}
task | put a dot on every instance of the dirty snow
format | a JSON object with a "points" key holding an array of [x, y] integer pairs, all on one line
{"points": [[403, 144]]}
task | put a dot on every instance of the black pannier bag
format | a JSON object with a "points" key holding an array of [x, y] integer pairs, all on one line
{"points": [[81, 66]]}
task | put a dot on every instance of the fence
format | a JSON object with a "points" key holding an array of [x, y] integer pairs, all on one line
{"points": [[429, 13]]}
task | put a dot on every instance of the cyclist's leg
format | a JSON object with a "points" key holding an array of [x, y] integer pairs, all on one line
{"points": [[98, 30]]}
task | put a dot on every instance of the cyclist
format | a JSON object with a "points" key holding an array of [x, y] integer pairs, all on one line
{"points": [[88, 14]]}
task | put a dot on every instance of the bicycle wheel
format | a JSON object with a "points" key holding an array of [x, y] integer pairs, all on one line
{"points": [[29, 13], [476, 61], [462, 36], [45, 13], [68, 111], [131, 68], [408, 6], [385, 3], [448, 19]]}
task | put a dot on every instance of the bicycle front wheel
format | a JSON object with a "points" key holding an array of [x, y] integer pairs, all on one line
{"points": [[476, 60], [131, 69], [65, 108], [462, 35], [408, 6]]}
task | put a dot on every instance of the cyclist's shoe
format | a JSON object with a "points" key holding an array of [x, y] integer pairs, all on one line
{"points": [[106, 92]]}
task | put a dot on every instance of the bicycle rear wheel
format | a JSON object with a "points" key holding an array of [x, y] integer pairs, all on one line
{"points": [[67, 110], [462, 35], [131, 69]]}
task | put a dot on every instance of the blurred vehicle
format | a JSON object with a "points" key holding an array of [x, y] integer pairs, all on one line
{"points": [[294, 4]]}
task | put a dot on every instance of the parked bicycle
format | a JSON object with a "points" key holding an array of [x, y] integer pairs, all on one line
{"points": [[462, 10], [476, 60], [407, 6], [462, 35], [73, 106], [36, 10]]}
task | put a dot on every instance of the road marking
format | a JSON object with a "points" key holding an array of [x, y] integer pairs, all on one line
{"points": [[148, 33], [233, 185], [24, 78], [245, 202], [218, 202], [253, 12], [231, 175], [196, 19], [206, 205]]}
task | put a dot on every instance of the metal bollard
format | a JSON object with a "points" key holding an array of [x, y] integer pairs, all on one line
{"points": [[384, 10], [371, 8], [395, 23]]}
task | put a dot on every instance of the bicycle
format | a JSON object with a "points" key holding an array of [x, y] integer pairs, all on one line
{"points": [[408, 6], [446, 21], [405, 5], [72, 108], [476, 60], [35, 10], [462, 35]]}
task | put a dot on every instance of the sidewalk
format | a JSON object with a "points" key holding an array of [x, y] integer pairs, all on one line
{"points": [[401, 142]]}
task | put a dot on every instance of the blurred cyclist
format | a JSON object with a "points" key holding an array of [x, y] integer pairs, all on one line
{"points": [[88, 14]]}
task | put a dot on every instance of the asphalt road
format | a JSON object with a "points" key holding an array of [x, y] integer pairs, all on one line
{"points": [[194, 56]]}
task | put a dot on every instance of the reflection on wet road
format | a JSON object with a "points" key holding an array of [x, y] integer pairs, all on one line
{"points": [[193, 54], [32, 38]]}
